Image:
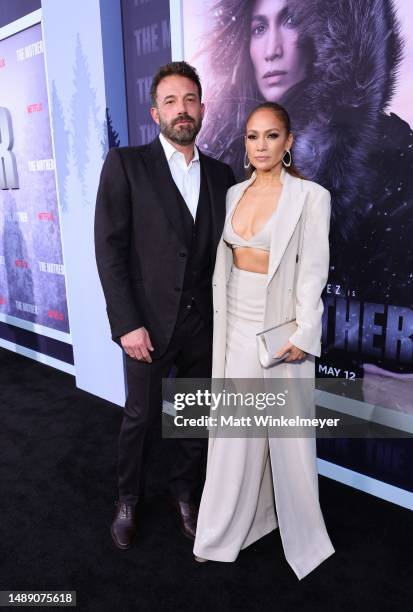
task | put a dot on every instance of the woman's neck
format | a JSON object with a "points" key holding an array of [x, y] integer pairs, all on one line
{"points": [[269, 178]]}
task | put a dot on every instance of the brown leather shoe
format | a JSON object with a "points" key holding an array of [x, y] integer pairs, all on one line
{"points": [[187, 514], [123, 529]]}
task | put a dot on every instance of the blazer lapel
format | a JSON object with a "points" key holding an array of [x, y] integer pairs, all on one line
{"points": [[166, 188], [238, 193], [286, 217]]}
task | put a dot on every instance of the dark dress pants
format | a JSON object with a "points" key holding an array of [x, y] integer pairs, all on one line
{"points": [[190, 351]]}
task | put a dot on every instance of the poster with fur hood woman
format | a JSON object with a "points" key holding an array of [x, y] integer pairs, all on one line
{"points": [[342, 69]]}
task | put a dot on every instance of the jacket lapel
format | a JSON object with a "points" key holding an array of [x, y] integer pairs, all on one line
{"points": [[286, 217], [235, 197], [166, 188]]}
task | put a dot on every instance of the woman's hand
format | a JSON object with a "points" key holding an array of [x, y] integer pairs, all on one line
{"points": [[294, 353]]}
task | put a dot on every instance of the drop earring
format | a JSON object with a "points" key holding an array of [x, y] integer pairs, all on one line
{"points": [[246, 165], [287, 164]]}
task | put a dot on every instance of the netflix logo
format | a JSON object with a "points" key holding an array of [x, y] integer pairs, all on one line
{"points": [[35, 108], [45, 216], [55, 314], [21, 263]]}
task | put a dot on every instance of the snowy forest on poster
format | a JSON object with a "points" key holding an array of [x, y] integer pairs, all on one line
{"points": [[32, 276]]}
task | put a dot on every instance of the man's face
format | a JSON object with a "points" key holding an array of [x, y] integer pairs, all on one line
{"points": [[179, 111]]}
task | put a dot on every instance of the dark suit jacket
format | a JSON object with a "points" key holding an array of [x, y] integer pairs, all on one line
{"points": [[140, 241]]}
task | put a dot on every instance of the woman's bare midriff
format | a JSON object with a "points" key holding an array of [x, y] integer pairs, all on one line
{"points": [[251, 260]]}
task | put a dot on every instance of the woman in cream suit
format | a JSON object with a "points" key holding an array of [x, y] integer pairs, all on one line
{"points": [[254, 485]]}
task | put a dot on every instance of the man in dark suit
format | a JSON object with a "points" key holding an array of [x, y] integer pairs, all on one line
{"points": [[160, 212]]}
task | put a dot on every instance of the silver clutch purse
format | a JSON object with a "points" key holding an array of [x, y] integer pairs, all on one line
{"points": [[271, 340]]}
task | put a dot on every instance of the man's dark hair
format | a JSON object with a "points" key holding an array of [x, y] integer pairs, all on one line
{"points": [[175, 68]]}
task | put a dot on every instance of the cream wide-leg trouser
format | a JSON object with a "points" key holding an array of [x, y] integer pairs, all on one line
{"points": [[248, 478]]}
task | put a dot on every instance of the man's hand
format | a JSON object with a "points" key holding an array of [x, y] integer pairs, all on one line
{"points": [[137, 344], [294, 353]]}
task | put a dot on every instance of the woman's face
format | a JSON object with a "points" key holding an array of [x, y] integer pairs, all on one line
{"points": [[266, 139], [277, 61]]}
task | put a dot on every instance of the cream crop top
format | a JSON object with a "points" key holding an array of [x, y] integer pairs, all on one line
{"points": [[260, 240]]}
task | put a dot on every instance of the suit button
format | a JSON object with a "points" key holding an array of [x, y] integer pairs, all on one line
{"points": [[177, 288], [182, 254]]}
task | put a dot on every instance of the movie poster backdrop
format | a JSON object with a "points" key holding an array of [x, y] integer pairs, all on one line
{"points": [[349, 96], [147, 45], [32, 281], [344, 71]]}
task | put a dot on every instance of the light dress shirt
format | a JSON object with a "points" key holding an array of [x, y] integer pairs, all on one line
{"points": [[187, 177]]}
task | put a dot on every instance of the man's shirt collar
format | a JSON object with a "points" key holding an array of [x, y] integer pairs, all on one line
{"points": [[170, 150]]}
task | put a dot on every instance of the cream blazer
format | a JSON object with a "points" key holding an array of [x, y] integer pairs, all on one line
{"points": [[301, 202]]}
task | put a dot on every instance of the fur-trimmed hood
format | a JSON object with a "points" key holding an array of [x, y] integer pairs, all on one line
{"points": [[356, 51], [353, 51]]}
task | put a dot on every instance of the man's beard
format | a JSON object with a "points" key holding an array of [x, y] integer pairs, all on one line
{"points": [[184, 134]]}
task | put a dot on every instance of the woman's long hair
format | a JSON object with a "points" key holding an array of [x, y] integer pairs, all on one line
{"points": [[233, 93], [284, 117]]}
